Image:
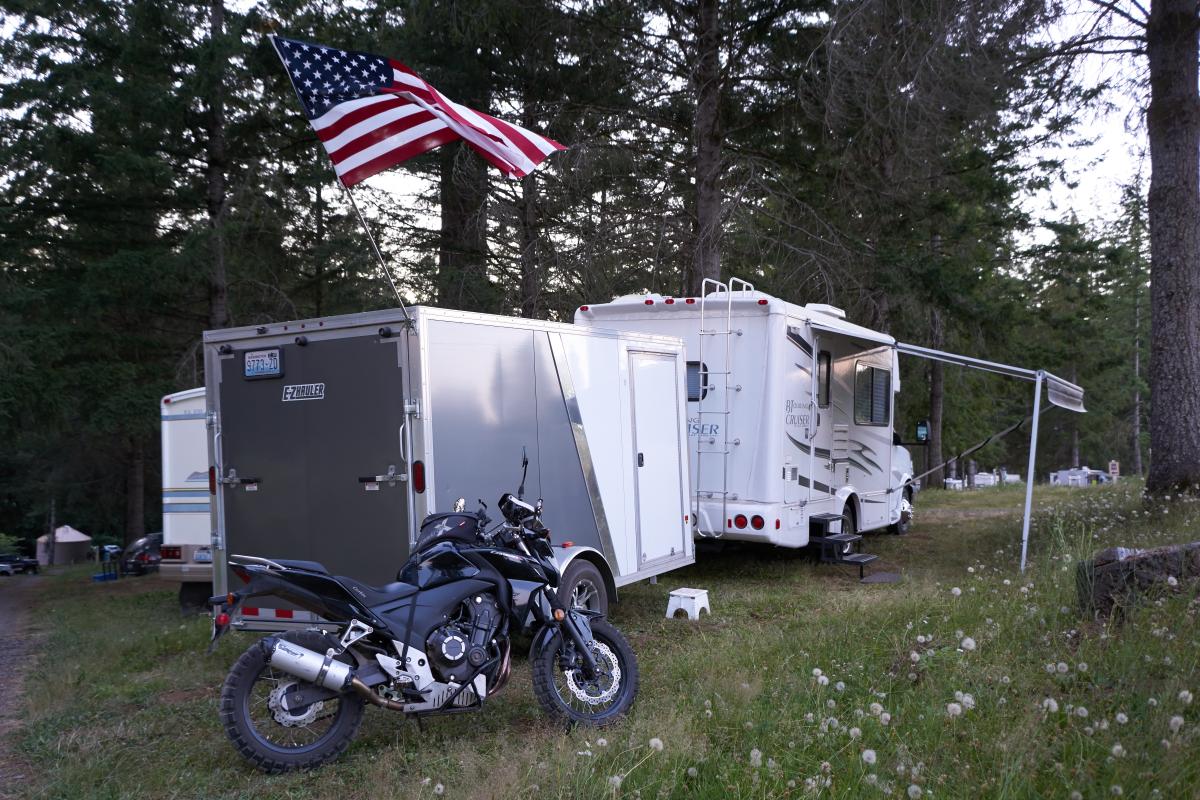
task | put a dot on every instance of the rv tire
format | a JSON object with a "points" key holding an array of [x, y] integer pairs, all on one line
{"points": [[583, 587]]}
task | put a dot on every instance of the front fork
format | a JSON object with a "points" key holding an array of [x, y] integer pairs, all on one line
{"points": [[574, 624]]}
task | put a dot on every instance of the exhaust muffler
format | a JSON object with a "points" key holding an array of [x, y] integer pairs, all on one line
{"points": [[311, 666]]}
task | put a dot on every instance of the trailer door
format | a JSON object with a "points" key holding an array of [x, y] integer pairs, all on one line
{"points": [[307, 445], [657, 458]]}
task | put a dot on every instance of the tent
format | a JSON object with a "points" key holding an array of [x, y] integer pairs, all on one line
{"points": [[70, 546]]}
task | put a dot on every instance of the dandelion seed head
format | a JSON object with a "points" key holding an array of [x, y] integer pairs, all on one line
{"points": [[1171, 581], [756, 757], [953, 710], [822, 680], [1082, 666], [816, 672], [1062, 668], [840, 686], [614, 781], [855, 733], [1050, 705], [1117, 791], [1121, 718], [1081, 712], [1118, 751], [1185, 697], [968, 644], [439, 789], [656, 744], [885, 718], [956, 591], [876, 709], [914, 656], [914, 791], [1175, 724], [868, 757], [692, 772]]}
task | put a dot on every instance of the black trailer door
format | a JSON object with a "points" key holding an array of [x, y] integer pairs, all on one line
{"points": [[302, 428]]}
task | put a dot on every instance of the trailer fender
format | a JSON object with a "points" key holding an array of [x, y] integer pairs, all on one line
{"points": [[565, 555]]}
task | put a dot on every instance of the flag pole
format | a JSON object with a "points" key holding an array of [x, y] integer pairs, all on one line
{"points": [[375, 249]]}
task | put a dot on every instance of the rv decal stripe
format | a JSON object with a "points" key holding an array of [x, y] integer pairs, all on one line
{"points": [[820, 487], [185, 493], [185, 415], [185, 508], [559, 356], [796, 339], [821, 452]]}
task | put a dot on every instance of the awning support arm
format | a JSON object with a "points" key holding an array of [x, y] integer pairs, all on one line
{"points": [[1033, 438]]}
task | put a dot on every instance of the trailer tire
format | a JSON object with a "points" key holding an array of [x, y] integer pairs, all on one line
{"points": [[583, 587]]}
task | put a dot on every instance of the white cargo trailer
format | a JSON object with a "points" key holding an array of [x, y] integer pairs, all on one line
{"points": [[187, 524], [779, 454], [332, 438]]}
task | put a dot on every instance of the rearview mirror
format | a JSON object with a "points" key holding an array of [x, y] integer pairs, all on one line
{"points": [[923, 431]]}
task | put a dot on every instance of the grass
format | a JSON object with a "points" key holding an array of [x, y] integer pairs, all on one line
{"points": [[123, 701]]}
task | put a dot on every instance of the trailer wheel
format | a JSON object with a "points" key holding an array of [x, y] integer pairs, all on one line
{"points": [[583, 587]]}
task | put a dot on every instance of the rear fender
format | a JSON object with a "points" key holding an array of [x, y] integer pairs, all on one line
{"points": [[565, 555]]}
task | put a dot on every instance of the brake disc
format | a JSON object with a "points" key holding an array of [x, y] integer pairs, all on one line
{"points": [[591, 692], [292, 718]]}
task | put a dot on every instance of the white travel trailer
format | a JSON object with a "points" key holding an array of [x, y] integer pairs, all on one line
{"points": [[790, 415], [332, 438], [187, 527]]}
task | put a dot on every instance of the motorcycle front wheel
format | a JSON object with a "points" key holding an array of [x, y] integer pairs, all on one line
{"points": [[273, 737], [566, 694]]}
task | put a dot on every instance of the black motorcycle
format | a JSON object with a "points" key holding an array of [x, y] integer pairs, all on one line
{"points": [[437, 641]]}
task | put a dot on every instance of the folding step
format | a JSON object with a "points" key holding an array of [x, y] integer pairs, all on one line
{"points": [[838, 538], [861, 559]]}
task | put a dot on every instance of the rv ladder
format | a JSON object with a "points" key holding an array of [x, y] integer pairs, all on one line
{"points": [[705, 375]]}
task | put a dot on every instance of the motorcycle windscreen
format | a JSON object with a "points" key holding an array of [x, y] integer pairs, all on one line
{"points": [[311, 438]]}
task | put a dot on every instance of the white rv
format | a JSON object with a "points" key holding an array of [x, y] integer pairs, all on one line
{"points": [[790, 415], [187, 529], [332, 439]]}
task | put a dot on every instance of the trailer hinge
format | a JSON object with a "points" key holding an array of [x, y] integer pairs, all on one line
{"points": [[210, 419], [413, 408], [218, 541]]}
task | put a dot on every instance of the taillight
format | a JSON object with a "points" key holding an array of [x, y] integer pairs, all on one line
{"points": [[222, 619], [690, 301], [649, 302], [418, 476], [670, 301], [170, 552], [762, 302], [212, 480], [757, 522], [143, 557], [739, 521]]}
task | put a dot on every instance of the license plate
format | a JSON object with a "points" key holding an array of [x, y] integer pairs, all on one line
{"points": [[203, 557], [262, 364]]}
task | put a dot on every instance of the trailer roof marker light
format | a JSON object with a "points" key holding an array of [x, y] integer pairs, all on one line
{"points": [[583, 308], [757, 522], [418, 477]]}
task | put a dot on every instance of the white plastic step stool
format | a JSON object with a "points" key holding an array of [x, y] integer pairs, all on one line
{"points": [[689, 600]]}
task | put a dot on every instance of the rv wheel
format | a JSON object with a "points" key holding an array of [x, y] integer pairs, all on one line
{"points": [[906, 512], [583, 587], [850, 526]]}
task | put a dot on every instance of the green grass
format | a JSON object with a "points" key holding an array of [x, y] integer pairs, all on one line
{"points": [[123, 703]]}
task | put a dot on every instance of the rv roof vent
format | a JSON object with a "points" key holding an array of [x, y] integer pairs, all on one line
{"points": [[823, 308]]}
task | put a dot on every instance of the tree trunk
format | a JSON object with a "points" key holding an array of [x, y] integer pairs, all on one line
{"points": [[218, 284], [462, 258], [1137, 377], [135, 493], [1173, 124], [706, 82], [937, 340], [531, 285]]}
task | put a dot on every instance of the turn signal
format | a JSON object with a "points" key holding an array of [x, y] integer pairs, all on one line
{"points": [[229, 598], [567, 544], [559, 615]]}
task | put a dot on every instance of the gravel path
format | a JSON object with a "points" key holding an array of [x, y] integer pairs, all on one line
{"points": [[16, 646]]}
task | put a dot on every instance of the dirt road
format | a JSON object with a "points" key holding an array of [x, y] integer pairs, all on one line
{"points": [[16, 646]]}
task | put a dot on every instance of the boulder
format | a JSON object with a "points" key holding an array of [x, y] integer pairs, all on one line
{"points": [[1118, 576]]}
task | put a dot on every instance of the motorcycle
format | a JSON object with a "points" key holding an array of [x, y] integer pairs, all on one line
{"points": [[436, 641]]}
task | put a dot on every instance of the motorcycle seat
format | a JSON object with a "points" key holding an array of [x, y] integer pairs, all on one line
{"points": [[378, 595], [311, 566]]}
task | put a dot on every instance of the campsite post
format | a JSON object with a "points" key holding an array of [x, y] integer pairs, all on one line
{"points": [[1037, 406]]}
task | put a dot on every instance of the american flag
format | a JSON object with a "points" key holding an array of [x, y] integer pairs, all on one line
{"points": [[372, 112]]}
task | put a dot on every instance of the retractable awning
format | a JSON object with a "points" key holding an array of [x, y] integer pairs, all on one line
{"points": [[1059, 392]]}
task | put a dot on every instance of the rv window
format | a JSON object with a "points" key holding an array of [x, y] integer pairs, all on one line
{"points": [[697, 381], [823, 361], [872, 390]]}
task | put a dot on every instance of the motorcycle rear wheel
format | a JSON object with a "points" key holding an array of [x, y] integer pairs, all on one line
{"points": [[255, 722], [566, 695]]}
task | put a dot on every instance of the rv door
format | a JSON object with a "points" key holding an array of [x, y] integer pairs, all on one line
{"points": [[656, 457]]}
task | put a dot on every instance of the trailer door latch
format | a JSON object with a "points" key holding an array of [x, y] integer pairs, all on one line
{"points": [[641, 460], [391, 477]]}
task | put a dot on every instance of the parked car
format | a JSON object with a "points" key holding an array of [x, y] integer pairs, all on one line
{"points": [[18, 563], [142, 556], [5, 569]]}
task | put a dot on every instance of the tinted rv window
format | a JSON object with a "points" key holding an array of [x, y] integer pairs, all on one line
{"points": [[823, 361], [697, 381], [872, 387]]}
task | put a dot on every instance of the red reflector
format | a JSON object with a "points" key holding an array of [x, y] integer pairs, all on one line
{"points": [[567, 544], [739, 521], [212, 480], [685, 517], [728, 523], [757, 522], [776, 524], [583, 308], [690, 301], [283, 613], [250, 612], [418, 476], [649, 302], [222, 619], [762, 302], [670, 301]]}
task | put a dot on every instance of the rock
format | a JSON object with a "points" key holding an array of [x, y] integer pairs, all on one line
{"points": [[1118, 576]]}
